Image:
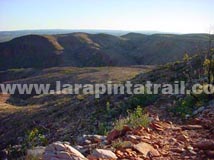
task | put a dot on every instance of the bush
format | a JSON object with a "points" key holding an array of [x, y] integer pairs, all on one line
{"points": [[34, 138], [184, 106], [188, 104], [102, 129], [142, 100], [133, 120]]}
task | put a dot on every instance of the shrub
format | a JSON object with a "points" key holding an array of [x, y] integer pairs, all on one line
{"points": [[184, 106], [133, 120], [188, 104], [102, 129], [141, 100], [34, 138]]}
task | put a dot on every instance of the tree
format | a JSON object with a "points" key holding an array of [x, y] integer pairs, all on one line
{"points": [[209, 62], [186, 57]]}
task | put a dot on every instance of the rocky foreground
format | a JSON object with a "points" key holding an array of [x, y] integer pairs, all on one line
{"points": [[161, 140]]}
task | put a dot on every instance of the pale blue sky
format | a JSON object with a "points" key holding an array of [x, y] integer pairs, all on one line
{"points": [[157, 15]]}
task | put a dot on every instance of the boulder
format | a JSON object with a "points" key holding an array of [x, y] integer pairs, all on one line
{"points": [[62, 151], [103, 154]]}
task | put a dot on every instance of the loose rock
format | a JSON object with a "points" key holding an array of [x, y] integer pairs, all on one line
{"points": [[103, 154], [146, 148]]}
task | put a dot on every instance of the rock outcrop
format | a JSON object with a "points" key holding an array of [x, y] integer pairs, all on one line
{"points": [[62, 151]]}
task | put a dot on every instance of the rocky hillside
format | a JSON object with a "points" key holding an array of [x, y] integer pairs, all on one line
{"points": [[161, 140], [113, 127], [82, 49]]}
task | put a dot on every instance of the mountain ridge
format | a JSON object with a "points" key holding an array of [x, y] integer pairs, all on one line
{"points": [[93, 50]]}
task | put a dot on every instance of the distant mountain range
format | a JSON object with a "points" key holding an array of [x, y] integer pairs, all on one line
{"points": [[84, 49], [9, 35]]}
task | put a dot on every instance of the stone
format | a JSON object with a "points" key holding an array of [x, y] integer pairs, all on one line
{"points": [[177, 150], [199, 110], [133, 137], [156, 126], [61, 151], [182, 137], [192, 127], [36, 152], [187, 116], [99, 138], [190, 148], [104, 154], [210, 154], [82, 149], [86, 142], [211, 103], [113, 135], [145, 149], [172, 140], [94, 138], [176, 129], [205, 145]]}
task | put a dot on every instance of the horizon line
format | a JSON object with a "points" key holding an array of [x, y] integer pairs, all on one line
{"points": [[113, 30]]}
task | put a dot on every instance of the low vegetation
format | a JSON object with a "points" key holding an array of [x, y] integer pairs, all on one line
{"points": [[134, 119]]}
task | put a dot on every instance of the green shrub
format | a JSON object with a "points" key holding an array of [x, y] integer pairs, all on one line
{"points": [[133, 120], [34, 138], [141, 100], [102, 129], [184, 106]]}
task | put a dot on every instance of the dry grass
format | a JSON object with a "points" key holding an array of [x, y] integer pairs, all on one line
{"points": [[55, 43]]}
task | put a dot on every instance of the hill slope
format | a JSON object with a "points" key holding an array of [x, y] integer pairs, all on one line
{"points": [[28, 51], [82, 49]]}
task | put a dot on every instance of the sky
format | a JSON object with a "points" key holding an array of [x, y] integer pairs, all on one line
{"points": [[180, 16]]}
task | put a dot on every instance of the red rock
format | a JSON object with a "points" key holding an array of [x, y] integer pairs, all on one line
{"points": [[145, 149], [119, 153], [196, 121], [182, 138], [126, 129], [176, 129], [192, 127], [210, 154], [156, 126], [177, 150], [172, 140], [116, 133], [113, 135], [90, 157], [205, 145]]}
